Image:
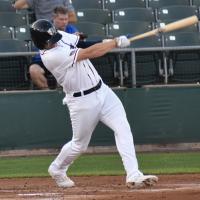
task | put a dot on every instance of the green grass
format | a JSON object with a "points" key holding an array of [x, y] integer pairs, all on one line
{"points": [[156, 163]]}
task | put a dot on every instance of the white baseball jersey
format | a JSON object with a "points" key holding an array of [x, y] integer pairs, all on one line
{"points": [[61, 62], [87, 110]]}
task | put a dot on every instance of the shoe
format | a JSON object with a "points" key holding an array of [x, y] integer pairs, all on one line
{"points": [[60, 177], [142, 181]]}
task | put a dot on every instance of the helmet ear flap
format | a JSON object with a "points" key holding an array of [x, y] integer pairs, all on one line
{"points": [[39, 39], [44, 32]]}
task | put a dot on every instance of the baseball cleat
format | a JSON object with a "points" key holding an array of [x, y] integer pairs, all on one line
{"points": [[60, 178], [142, 181]]}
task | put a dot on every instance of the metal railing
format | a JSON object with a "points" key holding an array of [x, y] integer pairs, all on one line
{"points": [[132, 52]]}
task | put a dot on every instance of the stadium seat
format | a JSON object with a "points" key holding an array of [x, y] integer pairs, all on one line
{"points": [[149, 42], [182, 39], [94, 15], [118, 4], [183, 65], [86, 4], [161, 3], [192, 28], [108, 68], [13, 72], [13, 46], [13, 69], [148, 65], [6, 6], [176, 12], [130, 28], [94, 31], [5, 33], [10, 19], [23, 33], [134, 14], [29, 14], [196, 3]]}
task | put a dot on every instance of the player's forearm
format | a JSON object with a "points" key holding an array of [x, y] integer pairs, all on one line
{"points": [[96, 50], [85, 44], [100, 49], [21, 4]]}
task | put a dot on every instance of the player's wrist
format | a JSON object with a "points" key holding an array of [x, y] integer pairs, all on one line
{"points": [[116, 42], [122, 41]]}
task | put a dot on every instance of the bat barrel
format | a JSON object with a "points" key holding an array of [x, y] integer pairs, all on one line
{"points": [[169, 27], [180, 24]]}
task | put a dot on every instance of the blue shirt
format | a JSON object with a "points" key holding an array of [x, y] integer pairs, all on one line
{"points": [[69, 29]]}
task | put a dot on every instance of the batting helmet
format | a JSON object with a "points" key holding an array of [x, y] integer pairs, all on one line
{"points": [[43, 32]]}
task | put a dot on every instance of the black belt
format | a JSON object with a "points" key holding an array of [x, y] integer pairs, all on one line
{"points": [[85, 92]]}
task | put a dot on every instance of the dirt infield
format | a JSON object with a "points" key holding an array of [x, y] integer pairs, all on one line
{"points": [[169, 187]]}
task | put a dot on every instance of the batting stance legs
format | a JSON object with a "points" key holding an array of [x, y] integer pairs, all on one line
{"points": [[85, 112]]}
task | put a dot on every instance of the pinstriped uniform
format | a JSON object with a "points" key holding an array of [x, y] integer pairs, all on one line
{"points": [[89, 101]]}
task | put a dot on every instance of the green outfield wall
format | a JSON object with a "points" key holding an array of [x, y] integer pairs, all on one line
{"points": [[156, 115]]}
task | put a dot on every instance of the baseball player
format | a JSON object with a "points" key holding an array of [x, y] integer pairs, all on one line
{"points": [[37, 70], [89, 100]]}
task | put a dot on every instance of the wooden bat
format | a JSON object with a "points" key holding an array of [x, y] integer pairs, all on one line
{"points": [[167, 28]]}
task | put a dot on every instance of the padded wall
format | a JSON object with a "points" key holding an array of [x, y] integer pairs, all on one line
{"points": [[157, 115]]}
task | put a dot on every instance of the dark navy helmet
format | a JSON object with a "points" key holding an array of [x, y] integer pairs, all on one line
{"points": [[43, 32]]}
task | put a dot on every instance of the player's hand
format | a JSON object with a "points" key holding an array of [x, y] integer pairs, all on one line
{"points": [[122, 41], [81, 35]]}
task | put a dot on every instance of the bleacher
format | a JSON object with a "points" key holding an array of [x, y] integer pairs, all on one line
{"points": [[169, 58], [15, 45]]}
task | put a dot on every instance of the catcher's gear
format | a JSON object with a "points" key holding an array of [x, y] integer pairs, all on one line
{"points": [[43, 32]]}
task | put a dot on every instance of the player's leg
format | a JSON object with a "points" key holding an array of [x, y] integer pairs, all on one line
{"points": [[37, 75], [84, 117], [114, 116]]}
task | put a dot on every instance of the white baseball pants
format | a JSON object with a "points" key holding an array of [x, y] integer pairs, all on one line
{"points": [[85, 112]]}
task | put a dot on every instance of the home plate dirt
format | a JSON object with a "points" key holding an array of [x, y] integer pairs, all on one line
{"points": [[169, 187]]}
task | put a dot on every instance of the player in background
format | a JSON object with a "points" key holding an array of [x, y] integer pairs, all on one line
{"points": [[89, 100], [37, 70], [44, 9]]}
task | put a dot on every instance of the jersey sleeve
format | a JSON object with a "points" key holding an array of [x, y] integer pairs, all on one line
{"points": [[74, 39], [69, 39], [59, 59], [64, 55]]}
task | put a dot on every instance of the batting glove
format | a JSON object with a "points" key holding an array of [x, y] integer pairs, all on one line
{"points": [[122, 41]]}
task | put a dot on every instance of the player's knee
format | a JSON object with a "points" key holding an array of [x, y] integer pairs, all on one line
{"points": [[122, 126], [78, 147], [35, 70]]}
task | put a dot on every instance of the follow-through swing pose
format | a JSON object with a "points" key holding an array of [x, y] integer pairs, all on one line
{"points": [[89, 100]]}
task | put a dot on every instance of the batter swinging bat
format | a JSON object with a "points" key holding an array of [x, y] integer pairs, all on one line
{"points": [[167, 28]]}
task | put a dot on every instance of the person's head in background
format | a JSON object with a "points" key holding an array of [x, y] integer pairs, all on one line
{"points": [[60, 18]]}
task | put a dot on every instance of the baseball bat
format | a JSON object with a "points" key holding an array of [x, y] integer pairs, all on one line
{"points": [[167, 28]]}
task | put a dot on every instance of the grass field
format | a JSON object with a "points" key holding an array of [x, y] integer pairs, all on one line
{"points": [[107, 164]]}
